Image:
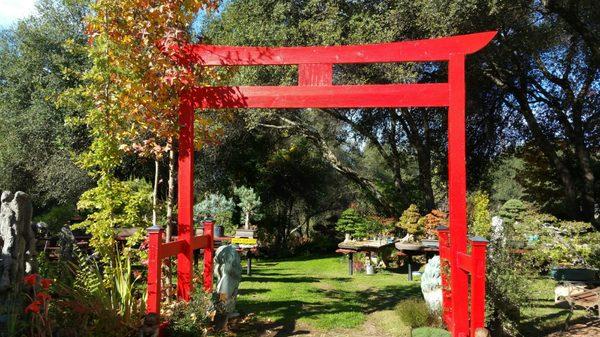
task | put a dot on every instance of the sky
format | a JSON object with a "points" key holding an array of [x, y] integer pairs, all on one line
{"points": [[13, 10]]}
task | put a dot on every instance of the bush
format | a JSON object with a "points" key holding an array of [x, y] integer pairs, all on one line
{"points": [[414, 313], [480, 219], [430, 332], [189, 319]]}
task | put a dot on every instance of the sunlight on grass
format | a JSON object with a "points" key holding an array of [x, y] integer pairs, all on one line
{"points": [[319, 292]]}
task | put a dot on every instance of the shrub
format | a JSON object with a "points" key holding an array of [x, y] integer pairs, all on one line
{"points": [[414, 313], [217, 207], [479, 215], [115, 204], [189, 319]]}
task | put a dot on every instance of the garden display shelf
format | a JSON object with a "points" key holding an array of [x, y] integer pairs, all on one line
{"points": [[367, 246], [410, 249]]}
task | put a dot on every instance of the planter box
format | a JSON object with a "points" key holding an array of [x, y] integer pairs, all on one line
{"points": [[408, 246], [430, 243], [244, 233]]}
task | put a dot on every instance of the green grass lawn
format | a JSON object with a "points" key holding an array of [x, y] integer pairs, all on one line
{"points": [[318, 293], [316, 296]]}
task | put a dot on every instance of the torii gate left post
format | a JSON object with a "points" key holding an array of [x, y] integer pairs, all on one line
{"points": [[316, 90]]}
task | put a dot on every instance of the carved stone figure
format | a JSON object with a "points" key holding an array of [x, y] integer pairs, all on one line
{"points": [[431, 285], [66, 241], [18, 239], [228, 270]]}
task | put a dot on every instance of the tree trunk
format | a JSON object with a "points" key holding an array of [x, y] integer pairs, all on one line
{"points": [[170, 195]]}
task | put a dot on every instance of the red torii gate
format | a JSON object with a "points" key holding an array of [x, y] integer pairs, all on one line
{"points": [[316, 90]]}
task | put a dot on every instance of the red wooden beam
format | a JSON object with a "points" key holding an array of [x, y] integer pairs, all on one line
{"points": [[170, 249], [201, 241], [437, 49], [333, 96], [185, 197]]}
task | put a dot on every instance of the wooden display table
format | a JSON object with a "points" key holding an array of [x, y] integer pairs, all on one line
{"points": [[409, 253], [368, 246]]}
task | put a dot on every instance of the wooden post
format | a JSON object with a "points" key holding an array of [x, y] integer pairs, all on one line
{"points": [[478, 256], [209, 227], [154, 269], [185, 191], [351, 263], [444, 242], [457, 194]]}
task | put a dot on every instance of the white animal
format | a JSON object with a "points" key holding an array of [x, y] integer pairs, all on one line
{"points": [[563, 290]]}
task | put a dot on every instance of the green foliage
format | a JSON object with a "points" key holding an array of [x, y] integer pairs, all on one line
{"points": [[57, 217], [249, 203], [409, 221], [217, 207], [115, 204], [430, 332], [189, 319], [36, 147], [353, 223], [479, 214], [414, 313], [512, 212], [559, 243]]}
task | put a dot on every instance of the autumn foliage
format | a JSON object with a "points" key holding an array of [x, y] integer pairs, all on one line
{"points": [[132, 87]]}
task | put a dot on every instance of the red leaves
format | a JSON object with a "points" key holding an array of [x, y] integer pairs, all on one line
{"points": [[31, 279], [33, 307]]}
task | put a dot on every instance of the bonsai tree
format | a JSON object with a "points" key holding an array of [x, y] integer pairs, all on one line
{"points": [[431, 221], [409, 221], [218, 207], [249, 203], [351, 222]]}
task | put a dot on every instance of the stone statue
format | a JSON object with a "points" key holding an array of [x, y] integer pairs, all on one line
{"points": [[66, 241], [228, 270], [18, 240], [431, 285]]}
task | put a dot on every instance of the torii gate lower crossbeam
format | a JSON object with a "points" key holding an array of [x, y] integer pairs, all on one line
{"points": [[316, 90]]}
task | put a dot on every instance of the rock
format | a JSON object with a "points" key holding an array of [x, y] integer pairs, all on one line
{"points": [[431, 285], [18, 240]]}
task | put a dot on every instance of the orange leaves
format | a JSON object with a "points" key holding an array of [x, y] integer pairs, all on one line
{"points": [[133, 85]]}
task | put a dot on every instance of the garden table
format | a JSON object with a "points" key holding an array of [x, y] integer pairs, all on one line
{"points": [[409, 253], [367, 246]]}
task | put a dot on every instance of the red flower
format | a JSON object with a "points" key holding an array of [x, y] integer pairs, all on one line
{"points": [[30, 279], [46, 283], [43, 297], [33, 307]]}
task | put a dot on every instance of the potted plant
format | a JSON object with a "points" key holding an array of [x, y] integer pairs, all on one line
{"points": [[219, 208], [429, 223], [409, 224], [249, 204]]}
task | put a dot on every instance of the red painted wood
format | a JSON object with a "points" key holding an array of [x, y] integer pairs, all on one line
{"points": [[171, 249], [185, 194], [336, 96], [315, 74], [465, 262], [457, 190], [154, 270], [444, 245], [438, 49], [478, 251], [315, 90], [200, 242], [208, 255]]}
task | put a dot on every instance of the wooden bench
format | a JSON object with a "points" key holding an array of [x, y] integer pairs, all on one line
{"points": [[589, 300]]}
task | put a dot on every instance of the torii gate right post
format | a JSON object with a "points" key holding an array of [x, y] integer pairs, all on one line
{"points": [[316, 90]]}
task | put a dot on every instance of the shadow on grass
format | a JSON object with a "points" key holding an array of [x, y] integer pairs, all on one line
{"points": [[334, 301]]}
